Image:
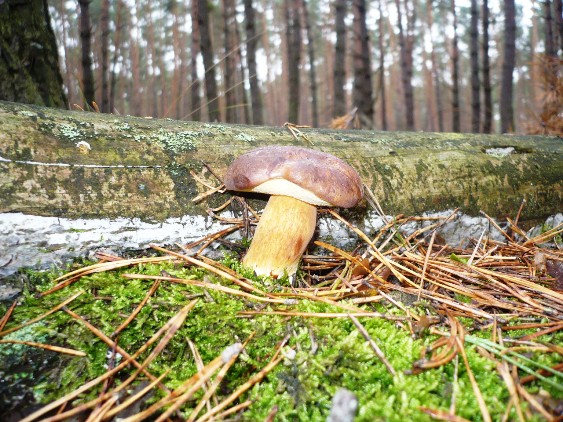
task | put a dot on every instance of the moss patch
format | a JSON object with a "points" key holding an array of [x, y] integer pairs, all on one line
{"points": [[329, 353]]}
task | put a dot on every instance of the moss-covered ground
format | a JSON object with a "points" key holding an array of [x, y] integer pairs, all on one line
{"points": [[330, 352]]}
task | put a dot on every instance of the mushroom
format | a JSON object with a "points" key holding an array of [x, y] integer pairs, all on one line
{"points": [[298, 179]]}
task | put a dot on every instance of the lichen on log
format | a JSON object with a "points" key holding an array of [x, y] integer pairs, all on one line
{"points": [[138, 167]]}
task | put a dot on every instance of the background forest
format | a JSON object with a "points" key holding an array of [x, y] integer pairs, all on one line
{"points": [[432, 65]]}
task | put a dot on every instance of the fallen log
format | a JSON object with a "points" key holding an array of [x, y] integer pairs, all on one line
{"points": [[86, 167]]}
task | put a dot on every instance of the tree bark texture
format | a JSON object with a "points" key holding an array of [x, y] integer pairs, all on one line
{"points": [[406, 41], [456, 123], [487, 88], [208, 61], [195, 86], [229, 23], [362, 93], [312, 65], [251, 42], [508, 63], [86, 41], [381, 45], [29, 60], [475, 85], [104, 26], [293, 37], [339, 97], [143, 168]]}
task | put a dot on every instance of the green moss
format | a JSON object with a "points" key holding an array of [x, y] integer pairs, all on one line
{"points": [[329, 353]]}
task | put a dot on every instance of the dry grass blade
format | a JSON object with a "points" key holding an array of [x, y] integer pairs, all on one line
{"points": [[256, 378], [57, 349], [244, 284], [378, 352], [132, 399], [7, 315], [326, 314], [40, 317], [482, 405], [185, 391], [442, 415], [171, 326], [204, 285], [218, 379], [73, 276], [136, 311], [504, 371], [113, 345]]}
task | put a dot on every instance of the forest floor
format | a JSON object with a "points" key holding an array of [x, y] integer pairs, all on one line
{"points": [[414, 328]]}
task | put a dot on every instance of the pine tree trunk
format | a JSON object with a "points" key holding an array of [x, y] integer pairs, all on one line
{"points": [[362, 93], [312, 64], [549, 38], [241, 91], [251, 42], [456, 125], [487, 89], [29, 60], [230, 67], [214, 114], [382, 68], [406, 45], [475, 85], [435, 69], [339, 95], [119, 24], [293, 37], [104, 46], [509, 60], [195, 87], [86, 39]]}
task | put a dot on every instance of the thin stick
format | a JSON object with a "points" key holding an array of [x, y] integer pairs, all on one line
{"points": [[40, 317], [137, 309], [7, 315], [378, 352], [58, 349]]}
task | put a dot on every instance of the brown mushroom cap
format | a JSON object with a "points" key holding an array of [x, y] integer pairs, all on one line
{"points": [[309, 175]]}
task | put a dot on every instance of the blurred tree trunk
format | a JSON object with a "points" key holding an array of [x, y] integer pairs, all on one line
{"points": [[29, 60], [509, 60], [312, 64], [65, 33], [214, 114], [195, 87], [456, 126], [117, 53], [382, 67], [559, 20], [339, 96], [550, 49], [406, 41], [362, 94], [293, 37], [487, 89], [435, 69], [243, 109], [475, 85], [251, 42], [86, 39], [104, 46], [229, 21]]}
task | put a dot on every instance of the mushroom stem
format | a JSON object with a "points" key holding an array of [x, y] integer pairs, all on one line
{"points": [[284, 231]]}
